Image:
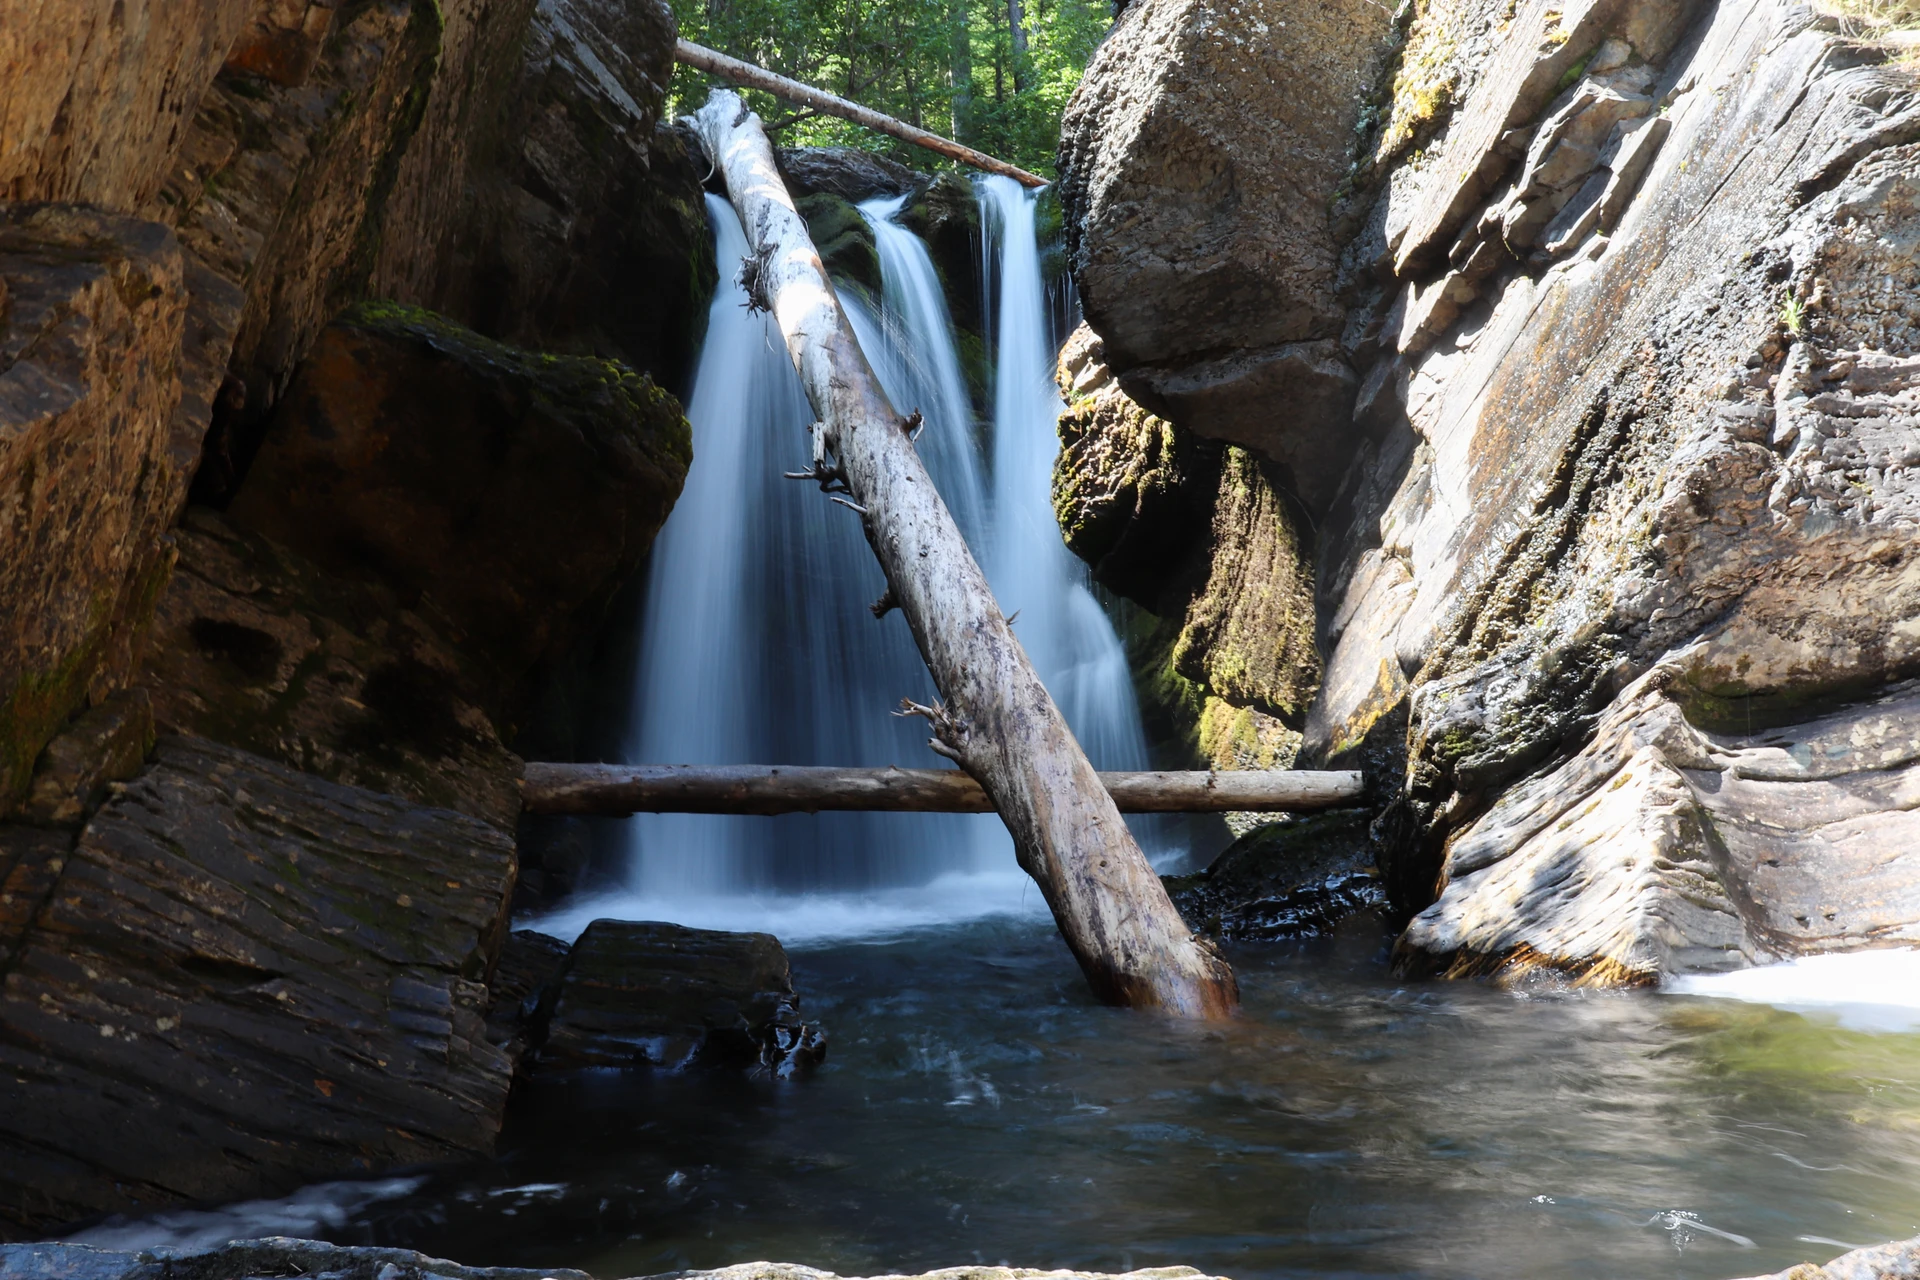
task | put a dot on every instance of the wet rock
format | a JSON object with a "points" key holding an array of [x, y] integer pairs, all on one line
{"points": [[1663, 846], [243, 978], [1895, 1261], [664, 996], [508, 493], [103, 745], [520, 993], [91, 314], [946, 214], [850, 173], [1291, 879], [843, 239], [336, 675]]}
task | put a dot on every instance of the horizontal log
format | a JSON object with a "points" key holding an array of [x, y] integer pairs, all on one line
{"points": [[612, 790], [715, 63]]}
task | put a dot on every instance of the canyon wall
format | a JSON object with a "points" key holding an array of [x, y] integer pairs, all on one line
{"points": [[1576, 342], [335, 352]]}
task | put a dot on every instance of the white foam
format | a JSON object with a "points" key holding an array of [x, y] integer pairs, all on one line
{"points": [[1864, 990], [815, 919], [306, 1214]]}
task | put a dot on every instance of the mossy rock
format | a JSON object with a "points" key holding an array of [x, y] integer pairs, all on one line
{"points": [[844, 240]]}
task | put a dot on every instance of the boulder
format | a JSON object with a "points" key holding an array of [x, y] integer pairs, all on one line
{"points": [[1878, 1262], [852, 174], [91, 317], [1201, 159], [1293, 879], [520, 994], [668, 997], [242, 978], [506, 492]]}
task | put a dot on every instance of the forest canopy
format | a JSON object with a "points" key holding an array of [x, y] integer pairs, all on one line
{"points": [[994, 74]]}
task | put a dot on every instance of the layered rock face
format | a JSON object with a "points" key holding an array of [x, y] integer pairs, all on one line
{"points": [[259, 952], [1616, 574]]}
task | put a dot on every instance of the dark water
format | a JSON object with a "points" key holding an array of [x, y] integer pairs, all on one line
{"points": [[979, 1107]]}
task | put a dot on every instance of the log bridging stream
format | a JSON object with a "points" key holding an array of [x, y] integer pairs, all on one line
{"points": [[616, 790], [995, 718]]}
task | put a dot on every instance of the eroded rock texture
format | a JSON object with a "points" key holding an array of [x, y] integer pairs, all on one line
{"points": [[241, 977], [1627, 291]]}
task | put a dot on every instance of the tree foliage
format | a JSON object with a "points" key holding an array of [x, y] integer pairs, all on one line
{"points": [[994, 74]]}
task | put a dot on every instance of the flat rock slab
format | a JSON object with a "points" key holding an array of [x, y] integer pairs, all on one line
{"points": [[246, 1259], [243, 977], [664, 996]]}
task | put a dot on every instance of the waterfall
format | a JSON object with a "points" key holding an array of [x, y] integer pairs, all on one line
{"points": [[756, 642], [1060, 624]]}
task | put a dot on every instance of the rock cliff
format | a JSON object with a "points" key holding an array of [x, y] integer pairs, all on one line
{"points": [[1611, 536], [333, 341]]}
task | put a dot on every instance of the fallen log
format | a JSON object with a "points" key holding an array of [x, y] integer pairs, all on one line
{"points": [[996, 720], [719, 64], [615, 790]]}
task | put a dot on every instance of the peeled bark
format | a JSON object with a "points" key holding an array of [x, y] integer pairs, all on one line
{"points": [[997, 720], [805, 95], [620, 789]]}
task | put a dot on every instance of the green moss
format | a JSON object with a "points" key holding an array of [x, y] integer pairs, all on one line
{"points": [[563, 386], [843, 239]]}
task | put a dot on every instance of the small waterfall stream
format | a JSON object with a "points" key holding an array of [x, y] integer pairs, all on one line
{"points": [[756, 642]]}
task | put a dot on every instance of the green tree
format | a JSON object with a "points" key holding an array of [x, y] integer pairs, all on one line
{"points": [[996, 74]]}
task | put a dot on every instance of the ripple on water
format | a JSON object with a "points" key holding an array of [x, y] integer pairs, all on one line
{"points": [[977, 1106]]}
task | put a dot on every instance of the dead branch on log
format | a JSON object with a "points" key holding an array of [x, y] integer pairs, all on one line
{"points": [[719, 64], [620, 789], [999, 722]]}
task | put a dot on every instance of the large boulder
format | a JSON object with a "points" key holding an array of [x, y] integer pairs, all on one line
{"points": [[1201, 160], [508, 492], [1292, 879], [853, 174], [238, 978]]}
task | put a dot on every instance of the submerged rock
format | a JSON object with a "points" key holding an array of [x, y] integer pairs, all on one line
{"points": [[241, 978], [1281, 880], [1897, 1261], [665, 996]]}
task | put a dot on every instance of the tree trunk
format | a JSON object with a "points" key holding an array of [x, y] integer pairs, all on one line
{"points": [[960, 69], [997, 720], [614, 790], [1017, 26], [825, 103]]}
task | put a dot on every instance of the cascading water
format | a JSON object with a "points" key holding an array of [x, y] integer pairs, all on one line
{"points": [[1062, 627], [756, 642]]}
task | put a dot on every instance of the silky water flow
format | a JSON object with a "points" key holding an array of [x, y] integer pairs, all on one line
{"points": [[757, 644]]}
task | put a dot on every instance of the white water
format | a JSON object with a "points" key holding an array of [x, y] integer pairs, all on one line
{"points": [[1861, 990], [757, 645]]}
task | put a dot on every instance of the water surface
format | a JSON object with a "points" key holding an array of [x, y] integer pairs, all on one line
{"points": [[978, 1107]]}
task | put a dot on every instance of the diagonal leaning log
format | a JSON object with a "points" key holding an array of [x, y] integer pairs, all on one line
{"points": [[995, 719]]}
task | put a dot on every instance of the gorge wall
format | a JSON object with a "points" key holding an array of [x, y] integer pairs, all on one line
{"points": [[336, 352], [1563, 356]]}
